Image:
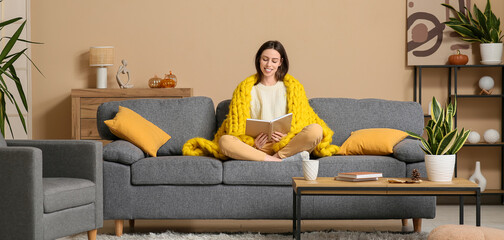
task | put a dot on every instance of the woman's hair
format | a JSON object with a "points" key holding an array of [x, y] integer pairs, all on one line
{"points": [[282, 69]]}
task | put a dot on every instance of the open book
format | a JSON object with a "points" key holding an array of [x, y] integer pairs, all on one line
{"points": [[280, 124]]}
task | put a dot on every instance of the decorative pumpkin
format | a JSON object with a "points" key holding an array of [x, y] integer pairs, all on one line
{"points": [[458, 59], [155, 82], [169, 81]]}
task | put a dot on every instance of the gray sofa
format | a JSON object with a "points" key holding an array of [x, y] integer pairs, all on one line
{"points": [[172, 186]]}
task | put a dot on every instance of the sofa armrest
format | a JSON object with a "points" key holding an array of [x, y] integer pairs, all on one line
{"points": [[21, 193], [409, 150], [121, 151]]}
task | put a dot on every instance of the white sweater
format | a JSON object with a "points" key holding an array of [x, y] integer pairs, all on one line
{"points": [[268, 102]]}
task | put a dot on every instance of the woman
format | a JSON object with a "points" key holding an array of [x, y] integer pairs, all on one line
{"points": [[268, 94]]}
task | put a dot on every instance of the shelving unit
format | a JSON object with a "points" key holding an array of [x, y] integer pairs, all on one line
{"points": [[453, 72]]}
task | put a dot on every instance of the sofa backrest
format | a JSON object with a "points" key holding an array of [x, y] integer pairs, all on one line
{"points": [[222, 111], [182, 119], [344, 115]]}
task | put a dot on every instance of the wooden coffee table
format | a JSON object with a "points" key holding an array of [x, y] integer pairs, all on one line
{"points": [[327, 186]]}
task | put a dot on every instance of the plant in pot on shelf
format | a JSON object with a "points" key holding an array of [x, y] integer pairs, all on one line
{"points": [[8, 73], [482, 27], [442, 143]]}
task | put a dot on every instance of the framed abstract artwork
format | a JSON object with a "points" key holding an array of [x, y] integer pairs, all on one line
{"points": [[429, 40]]}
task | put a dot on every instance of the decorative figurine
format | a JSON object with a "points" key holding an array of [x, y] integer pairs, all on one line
{"points": [[123, 70], [491, 136], [486, 83], [474, 137]]}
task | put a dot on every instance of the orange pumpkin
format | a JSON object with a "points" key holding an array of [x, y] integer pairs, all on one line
{"points": [[458, 59]]}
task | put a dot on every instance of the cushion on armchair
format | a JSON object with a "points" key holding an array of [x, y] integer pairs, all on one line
{"points": [[64, 193]]}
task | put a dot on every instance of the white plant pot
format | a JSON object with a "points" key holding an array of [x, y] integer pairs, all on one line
{"points": [[491, 53], [440, 168]]}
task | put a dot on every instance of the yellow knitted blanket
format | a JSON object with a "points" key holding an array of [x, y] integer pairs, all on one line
{"points": [[239, 110]]}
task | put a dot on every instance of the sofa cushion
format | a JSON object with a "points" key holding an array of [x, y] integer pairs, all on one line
{"points": [[388, 166], [344, 115], [2, 141], [130, 126], [122, 152], [64, 193], [177, 170], [238, 172], [409, 150], [372, 141], [183, 119]]}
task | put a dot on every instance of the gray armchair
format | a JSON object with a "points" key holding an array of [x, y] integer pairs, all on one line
{"points": [[50, 188]]}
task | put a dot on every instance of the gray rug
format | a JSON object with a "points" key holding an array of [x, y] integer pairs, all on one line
{"points": [[257, 236]]}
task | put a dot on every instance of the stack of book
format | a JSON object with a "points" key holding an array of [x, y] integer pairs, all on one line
{"points": [[358, 176]]}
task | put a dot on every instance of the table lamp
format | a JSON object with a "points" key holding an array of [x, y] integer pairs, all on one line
{"points": [[101, 57]]}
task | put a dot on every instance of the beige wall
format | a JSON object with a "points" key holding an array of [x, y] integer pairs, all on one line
{"points": [[342, 48]]}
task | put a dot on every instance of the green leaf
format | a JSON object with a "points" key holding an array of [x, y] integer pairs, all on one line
{"points": [[461, 139], [446, 143], [435, 109], [11, 42], [8, 22], [21, 93]]}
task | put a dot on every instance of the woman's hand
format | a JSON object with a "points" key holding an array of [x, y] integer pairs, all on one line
{"points": [[260, 140], [277, 136]]}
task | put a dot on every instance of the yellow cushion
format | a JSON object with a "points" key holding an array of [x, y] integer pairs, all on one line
{"points": [[132, 127], [372, 141]]}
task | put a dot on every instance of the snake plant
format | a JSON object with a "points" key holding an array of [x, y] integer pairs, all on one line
{"points": [[8, 73], [442, 137], [483, 27]]}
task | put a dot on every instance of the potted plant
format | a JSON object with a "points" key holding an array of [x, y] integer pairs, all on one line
{"points": [[8, 73], [442, 143], [482, 27]]}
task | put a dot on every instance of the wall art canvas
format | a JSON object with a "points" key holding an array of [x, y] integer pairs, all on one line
{"points": [[429, 40]]}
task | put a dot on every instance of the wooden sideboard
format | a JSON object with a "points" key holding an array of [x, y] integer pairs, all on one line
{"points": [[85, 103]]}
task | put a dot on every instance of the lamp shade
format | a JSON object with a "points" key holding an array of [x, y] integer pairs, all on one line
{"points": [[101, 56]]}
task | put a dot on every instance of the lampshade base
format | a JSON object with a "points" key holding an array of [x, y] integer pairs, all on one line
{"points": [[101, 77]]}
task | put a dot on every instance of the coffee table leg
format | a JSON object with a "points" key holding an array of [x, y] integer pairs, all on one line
{"points": [[461, 210], [294, 214], [478, 208], [298, 215]]}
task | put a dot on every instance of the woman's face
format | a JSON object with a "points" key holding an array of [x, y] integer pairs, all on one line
{"points": [[269, 62]]}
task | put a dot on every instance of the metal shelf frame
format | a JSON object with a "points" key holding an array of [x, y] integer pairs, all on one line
{"points": [[453, 72]]}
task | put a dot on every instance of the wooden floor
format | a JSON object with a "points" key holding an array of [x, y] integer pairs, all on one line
{"points": [[491, 216]]}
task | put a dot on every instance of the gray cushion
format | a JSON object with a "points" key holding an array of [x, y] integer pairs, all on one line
{"points": [[177, 170], [420, 166], [122, 152], [221, 112], [182, 119], [344, 115], [409, 150], [64, 193], [388, 166], [261, 173], [2, 141]]}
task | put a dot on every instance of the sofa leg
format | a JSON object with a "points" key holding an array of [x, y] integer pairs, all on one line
{"points": [[91, 234], [404, 222], [119, 224], [132, 223], [417, 224]]}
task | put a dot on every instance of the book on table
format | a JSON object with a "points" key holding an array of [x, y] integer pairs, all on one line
{"points": [[355, 179], [280, 124], [360, 175]]}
